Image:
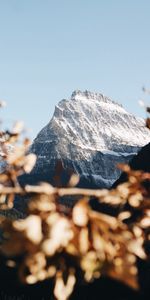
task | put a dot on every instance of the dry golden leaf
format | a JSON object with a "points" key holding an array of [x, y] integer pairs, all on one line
{"points": [[49, 247], [52, 219], [135, 199], [43, 203], [32, 228], [137, 231], [90, 264], [83, 240], [145, 222], [62, 291], [80, 214], [29, 162], [31, 279], [51, 271], [11, 263], [136, 247], [98, 242], [36, 265], [59, 236], [62, 232], [124, 215], [74, 180], [123, 190]]}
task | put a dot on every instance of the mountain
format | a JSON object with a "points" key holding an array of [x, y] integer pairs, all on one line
{"points": [[89, 134]]}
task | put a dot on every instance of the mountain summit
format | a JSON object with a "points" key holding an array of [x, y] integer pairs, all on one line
{"points": [[89, 134]]}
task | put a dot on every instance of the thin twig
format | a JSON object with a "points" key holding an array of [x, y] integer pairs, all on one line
{"points": [[49, 190]]}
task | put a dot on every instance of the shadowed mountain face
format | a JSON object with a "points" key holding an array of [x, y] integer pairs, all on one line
{"points": [[140, 162], [89, 134]]}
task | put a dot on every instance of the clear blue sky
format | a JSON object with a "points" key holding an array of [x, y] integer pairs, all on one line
{"points": [[48, 48]]}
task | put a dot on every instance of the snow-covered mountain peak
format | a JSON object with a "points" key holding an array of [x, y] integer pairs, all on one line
{"points": [[84, 101], [86, 95], [92, 96], [93, 121]]}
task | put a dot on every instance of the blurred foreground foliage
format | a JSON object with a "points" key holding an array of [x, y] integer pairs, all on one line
{"points": [[71, 245]]}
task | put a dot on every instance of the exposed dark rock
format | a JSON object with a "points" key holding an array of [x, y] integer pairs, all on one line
{"points": [[140, 162]]}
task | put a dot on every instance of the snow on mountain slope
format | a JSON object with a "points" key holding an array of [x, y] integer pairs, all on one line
{"points": [[89, 134]]}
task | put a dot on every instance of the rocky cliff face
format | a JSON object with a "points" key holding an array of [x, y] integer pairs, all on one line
{"points": [[89, 134]]}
